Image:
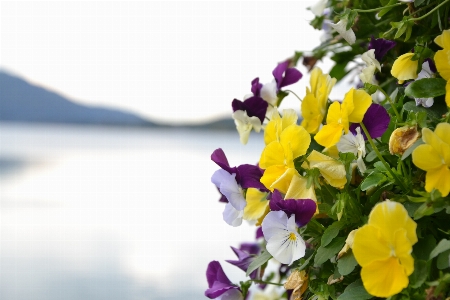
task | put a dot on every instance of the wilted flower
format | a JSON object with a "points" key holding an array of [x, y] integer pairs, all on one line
{"points": [[402, 138], [434, 157], [404, 68], [348, 243], [341, 28], [383, 249], [283, 241], [298, 282]]}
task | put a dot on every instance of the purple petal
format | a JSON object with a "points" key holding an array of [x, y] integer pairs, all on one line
{"points": [[381, 47], [251, 248], [219, 157], [249, 177], [244, 259], [431, 64], [303, 209], [291, 75], [256, 86], [254, 106], [376, 121], [259, 233], [237, 105]]}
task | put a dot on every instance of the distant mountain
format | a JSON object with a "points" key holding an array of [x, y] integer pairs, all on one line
{"points": [[23, 102]]}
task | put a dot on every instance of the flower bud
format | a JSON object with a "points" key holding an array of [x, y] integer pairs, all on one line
{"points": [[402, 138]]}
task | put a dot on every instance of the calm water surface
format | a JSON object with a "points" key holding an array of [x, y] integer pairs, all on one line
{"points": [[113, 213]]}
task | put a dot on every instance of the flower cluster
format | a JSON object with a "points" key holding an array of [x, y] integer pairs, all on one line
{"points": [[350, 198]]}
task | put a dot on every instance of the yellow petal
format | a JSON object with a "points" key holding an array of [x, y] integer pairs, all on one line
{"points": [[296, 140], [332, 170], [297, 190], [289, 118], [384, 278], [441, 147], [369, 246], [273, 128], [438, 179], [311, 112], [256, 204], [443, 40], [442, 60], [443, 132], [361, 101], [447, 93], [329, 135], [271, 174], [273, 154], [425, 157], [403, 249], [404, 68]]}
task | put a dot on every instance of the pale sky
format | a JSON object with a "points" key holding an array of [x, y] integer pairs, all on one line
{"points": [[168, 61]]}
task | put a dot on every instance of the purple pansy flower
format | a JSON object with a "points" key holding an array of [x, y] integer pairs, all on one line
{"points": [[303, 209], [247, 176], [376, 120], [219, 284], [381, 47], [245, 258], [256, 87], [254, 106], [291, 75]]}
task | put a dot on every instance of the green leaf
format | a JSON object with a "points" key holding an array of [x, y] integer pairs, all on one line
{"points": [[386, 10], [372, 180], [338, 71], [355, 291], [411, 149], [325, 253], [419, 275], [434, 112], [426, 88], [443, 260], [443, 245], [330, 233], [418, 3], [424, 247], [258, 262], [347, 263]]}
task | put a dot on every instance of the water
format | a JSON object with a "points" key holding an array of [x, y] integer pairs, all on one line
{"points": [[113, 213]]}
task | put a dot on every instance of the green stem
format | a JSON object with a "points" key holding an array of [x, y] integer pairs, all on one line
{"points": [[428, 13], [294, 94], [425, 7], [376, 9], [266, 282], [380, 157], [390, 101]]}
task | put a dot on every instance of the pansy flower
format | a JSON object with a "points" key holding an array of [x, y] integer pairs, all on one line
{"points": [[283, 241], [376, 120], [354, 144], [383, 249], [219, 284], [442, 60], [372, 64], [248, 114], [434, 158], [339, 116], [381, 47], [231, 181]]}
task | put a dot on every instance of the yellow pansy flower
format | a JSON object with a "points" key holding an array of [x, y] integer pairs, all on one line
{"points": [[352, 109], [404, 68], [443, 40], [331, 169], [434, 157], [256, 204], [383, 249], [285, 141], [314, 104]]}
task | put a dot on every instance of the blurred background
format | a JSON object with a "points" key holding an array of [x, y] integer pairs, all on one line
{"points": [[109, 112]]}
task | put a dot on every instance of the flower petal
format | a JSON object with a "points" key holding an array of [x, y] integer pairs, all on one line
{"points": [[369, 246], [273, 154], [303, 209], [438, 179], [256, 204], [232, 216], [425, 157], [295, 139], [376, 120], [404, 68]]}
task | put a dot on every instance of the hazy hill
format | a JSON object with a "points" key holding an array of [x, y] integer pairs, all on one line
{"points": [[23, 102]]}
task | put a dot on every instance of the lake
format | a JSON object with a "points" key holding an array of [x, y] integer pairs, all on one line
{"points": [[113, 213]]}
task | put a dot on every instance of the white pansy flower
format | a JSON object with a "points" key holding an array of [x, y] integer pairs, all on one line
{"points": [[348, 35], [283, 241], [356, 145], [269, 94], [425, 73], [245, 124], [232, 216], [372, 64], [367, 73]]}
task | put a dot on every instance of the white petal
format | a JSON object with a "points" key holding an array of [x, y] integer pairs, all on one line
{"points": [[221, 176], [256, 123], [291, 226], [369, 58], [425, 72], [274, 223], [318, 8], [428, 102], [285, 250], [232, 216], [228, 186], [269, 93], [366, 75], [347, 143], [361, 164], [348, 35]]}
